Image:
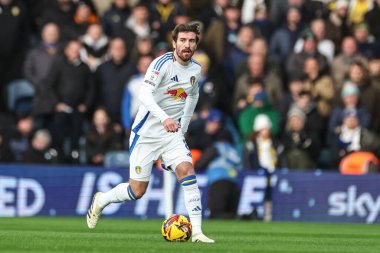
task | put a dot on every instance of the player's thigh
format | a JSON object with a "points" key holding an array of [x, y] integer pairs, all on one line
{"points": [[143, 152], [175, 151]]}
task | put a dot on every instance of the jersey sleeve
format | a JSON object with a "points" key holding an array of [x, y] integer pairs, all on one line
{"points": [[152, 80], [155, 72]]}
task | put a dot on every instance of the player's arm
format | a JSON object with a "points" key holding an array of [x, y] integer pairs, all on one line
{"points": [[191, 102], [152, 79]]}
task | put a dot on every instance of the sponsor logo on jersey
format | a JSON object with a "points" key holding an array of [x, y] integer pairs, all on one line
{"points": [[151, 83], [154, 75], [174, 78], [192, 80], [177, 94]]}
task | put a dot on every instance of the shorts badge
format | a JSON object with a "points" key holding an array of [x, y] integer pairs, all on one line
{"points": [[138, 169]]}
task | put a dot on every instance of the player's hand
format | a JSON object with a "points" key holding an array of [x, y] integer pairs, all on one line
{"points": [[170, 125]]}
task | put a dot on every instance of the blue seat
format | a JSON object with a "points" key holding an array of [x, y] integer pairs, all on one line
{"points": [[115, 159], [20, 95]]}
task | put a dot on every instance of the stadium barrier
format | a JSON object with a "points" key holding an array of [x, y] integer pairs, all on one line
{"points": [[300, 196]]}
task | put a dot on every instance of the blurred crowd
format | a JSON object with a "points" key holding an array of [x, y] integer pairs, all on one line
{"points": [[285, 83]]}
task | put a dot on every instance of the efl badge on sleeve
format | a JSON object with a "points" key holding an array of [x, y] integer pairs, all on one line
{"points": [[154, 75], [138, 169], [192, 80]]}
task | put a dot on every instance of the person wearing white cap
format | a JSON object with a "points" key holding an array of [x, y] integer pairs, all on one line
{"points": [[261, 148], [337, 26], [262, 152]]}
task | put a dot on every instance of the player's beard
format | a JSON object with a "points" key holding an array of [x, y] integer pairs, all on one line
{"points": [[181, 54]]}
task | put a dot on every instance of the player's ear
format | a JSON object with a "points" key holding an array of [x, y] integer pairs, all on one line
{"points": [[174, 44]]}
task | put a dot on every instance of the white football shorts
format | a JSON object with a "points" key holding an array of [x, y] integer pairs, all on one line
{"points": [[145, 151]]}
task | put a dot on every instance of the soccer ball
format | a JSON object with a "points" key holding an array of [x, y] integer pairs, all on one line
{"points": [[176, 228]]}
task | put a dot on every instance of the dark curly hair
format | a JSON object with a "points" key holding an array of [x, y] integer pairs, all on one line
{"points": [[194, 27]]}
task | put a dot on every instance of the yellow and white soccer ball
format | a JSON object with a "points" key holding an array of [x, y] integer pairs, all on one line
{"points": [[176, 228]]}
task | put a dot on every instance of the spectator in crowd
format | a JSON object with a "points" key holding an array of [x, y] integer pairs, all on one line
{"points": [[113, 20], [143, 47], [262, 150], [351, 137], [270, 80], [238, 53], [261, 23], [84, 17], [337, 26], [94, 46], [222, 163], [294, 88], [212, 91], [14, 29], [138, 21], [306, 10], [61, 12], [36, 69], [367, 46], [284, 38], [320, 85], [259, 105], [40, 151], [111, 77], [160, 48], [203, 131], [343, 61], [19, 137], [130, 102], [357, 11], [222, 35], [248, 10], [213, 12], [72, 89], [314, 122], [349, 99], [301, 148], [296, 61], [369, 96], [6, 155], [374, 72], [163, 13], [102, 137], [324, 46], [372, 18], [259, 46]]}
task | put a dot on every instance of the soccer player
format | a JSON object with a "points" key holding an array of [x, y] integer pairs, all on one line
{"points": [[168, 95]]}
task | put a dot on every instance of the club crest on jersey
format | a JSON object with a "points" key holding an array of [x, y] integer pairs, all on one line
{"points": [[177, 94], [154, 75], [138, 169], [192, 80]]}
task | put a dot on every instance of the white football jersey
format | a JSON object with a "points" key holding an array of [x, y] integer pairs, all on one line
{"points": [[170, 83]]}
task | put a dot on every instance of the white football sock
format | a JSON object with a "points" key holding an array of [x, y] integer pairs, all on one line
{"points": [[121, 192], [193, 203]]}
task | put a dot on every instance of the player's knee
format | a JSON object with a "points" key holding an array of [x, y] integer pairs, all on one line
{"points": [[138, 188], [139, 193], [184, 169]]}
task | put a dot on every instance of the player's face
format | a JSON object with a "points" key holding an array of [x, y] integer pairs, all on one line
{"points": [[185, 45]]}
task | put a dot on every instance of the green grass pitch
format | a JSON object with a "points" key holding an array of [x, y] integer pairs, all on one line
{"points": [[45, 234]]}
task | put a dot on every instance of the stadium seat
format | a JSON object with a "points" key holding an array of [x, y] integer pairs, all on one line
{"points": [[20, 94], [357, 163], [115, 159]]}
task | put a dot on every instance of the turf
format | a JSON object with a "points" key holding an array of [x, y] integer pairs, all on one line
{"points": [[47, 234]]}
